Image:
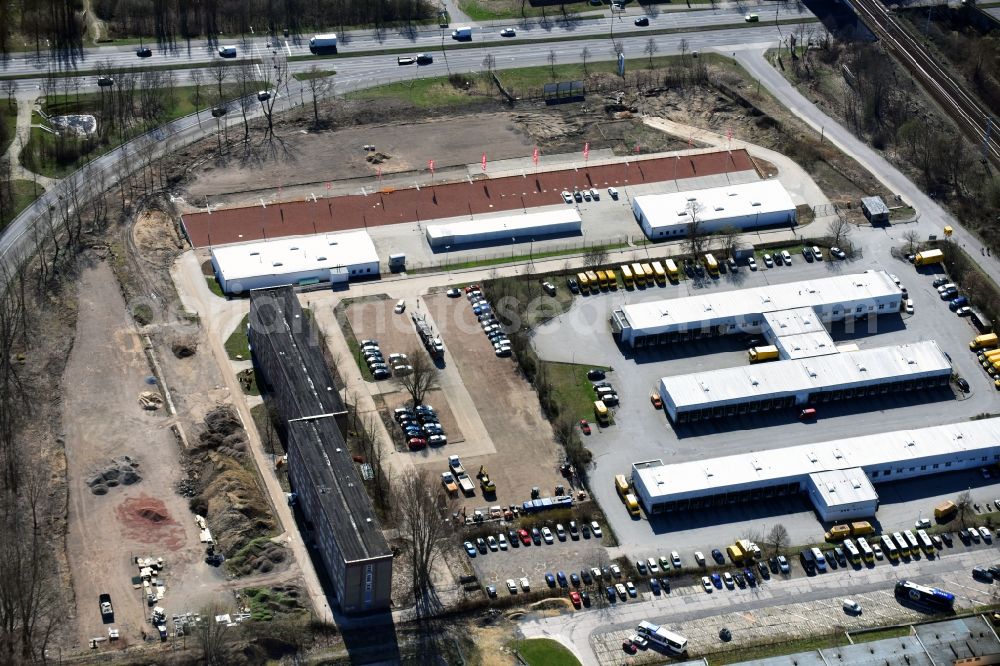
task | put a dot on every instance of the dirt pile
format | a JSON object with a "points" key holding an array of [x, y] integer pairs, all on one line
{"points": [[146, 520], [377, 158], [223, 488], [259, 556], [150, 401], [184, 348], [122, 471]]}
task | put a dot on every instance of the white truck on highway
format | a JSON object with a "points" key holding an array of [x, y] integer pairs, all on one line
{"points": [[463, 33], [323, 43]]}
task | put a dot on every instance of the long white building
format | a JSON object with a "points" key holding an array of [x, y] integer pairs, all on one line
{"points": [[799, 382], [334, 258], [864, 461], [747, 206], [502, 229], [743, 310]]}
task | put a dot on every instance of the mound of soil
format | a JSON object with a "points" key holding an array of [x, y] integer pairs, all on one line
{"points": [[121, 471], [261, 556], [146, 520], [185, 348]]}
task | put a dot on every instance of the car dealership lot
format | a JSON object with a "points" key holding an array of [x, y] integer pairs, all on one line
{"points": [[642, 433]]}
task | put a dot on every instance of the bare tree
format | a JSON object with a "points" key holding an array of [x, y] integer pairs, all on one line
{"points": [[777, 538], [595, 256], [912, 238], [319, 86], [839, 231], [422, 526], [683, 46], [196, 81], [10, 85], [422, 378], [213, 638], [650, 50], [729, 238], [695, 231], [584, 55], [964, 505], [552, 61]]}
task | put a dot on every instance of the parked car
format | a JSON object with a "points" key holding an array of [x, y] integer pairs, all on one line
{"points": [[596, 528], [511, 586], [837, 253], [939, 282], [817, 253], [983, 574], [922, 524], [807, 253], [706, 583], [964, 311], [768, 261], [595, 374], [956, 303], [144, 52], [752, 263], [584, 426], [783, 564], [567, 197], [547, 535], [453, 293], [613, 193], [851, 607], [717, 556], [470, 549]]}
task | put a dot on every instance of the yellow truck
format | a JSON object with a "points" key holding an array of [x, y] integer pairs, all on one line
{"points": [[627, 276], [673, 272], [647, 270], [761, 354], [632, 505], [711, 265], [449, 483], [612, 278], [621, 485], [944, 511], [601, 413], [659, 274], [985, 341], [739, 551], [928, 257], [595, 284], [838, 533], [861, 528], [584, 282]]}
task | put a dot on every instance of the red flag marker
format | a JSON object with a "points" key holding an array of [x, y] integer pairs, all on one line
{"points": [[586, 151], [534, 156], [484, 161], [430, 165]]}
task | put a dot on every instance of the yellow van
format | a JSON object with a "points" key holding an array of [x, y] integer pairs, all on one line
{"points": [[621, 485], [627, 276], [601, 413], [584, 282], [612, 278], [632, 504], [984, 341]]}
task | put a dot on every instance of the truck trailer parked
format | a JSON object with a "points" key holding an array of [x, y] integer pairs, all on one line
{"points": [[321, 44], [761, 354]]}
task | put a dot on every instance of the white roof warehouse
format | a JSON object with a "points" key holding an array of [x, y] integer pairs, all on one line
{"points": [[742, 310], [783, 384], [748, 206], [505, 229], [271, 263], [890, 456]]}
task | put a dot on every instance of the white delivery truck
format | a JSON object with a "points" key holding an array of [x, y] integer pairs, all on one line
{"points": [[227, 51], [463, 33], [323, 43]]}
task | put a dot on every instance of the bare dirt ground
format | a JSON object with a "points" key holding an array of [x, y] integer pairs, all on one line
{"points": [[319, 157], [102, 419], [526, 452]]}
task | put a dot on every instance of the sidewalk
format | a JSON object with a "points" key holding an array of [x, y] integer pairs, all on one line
{"points": [[22, 135]]}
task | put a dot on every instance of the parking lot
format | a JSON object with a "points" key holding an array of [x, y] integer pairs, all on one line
{"points": [[582, 335]]}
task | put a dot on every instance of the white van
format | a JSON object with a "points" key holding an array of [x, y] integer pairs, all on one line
{"points": [[227, 51], [852, 606], [400, 306]]}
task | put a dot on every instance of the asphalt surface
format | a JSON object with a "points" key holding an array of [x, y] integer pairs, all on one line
{"points": [[419, 39]]}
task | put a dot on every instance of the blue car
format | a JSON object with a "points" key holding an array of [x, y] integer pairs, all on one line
{"points": [[470, 549], [751, 579], [561, 576], [610, 591], [654, 585], [717, 580], [550, 580], [949, 294], [957, 303]]}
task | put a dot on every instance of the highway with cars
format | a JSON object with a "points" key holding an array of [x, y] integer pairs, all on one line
{"points": [[366, 41]]}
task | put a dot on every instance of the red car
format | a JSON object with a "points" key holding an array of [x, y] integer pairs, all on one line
{"points": [[416, 443], [524, 537], [584, 426], [574, 596], [471, 287], [657, 402]]}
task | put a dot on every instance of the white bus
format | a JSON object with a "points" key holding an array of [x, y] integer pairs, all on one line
{"points": [[925, 542], [866, 551], [890, 548], [852, 551], [904, 547], [912, 540], [667, 639]]}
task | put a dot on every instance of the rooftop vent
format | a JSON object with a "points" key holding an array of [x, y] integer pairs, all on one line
{"points": [[810, 371], [720, 208], [293, 248], [732, 194], [753, 380], [811, 456], [277, 263], [708, 472], [332, 242], [837, 454], [856, 484], [692, 198], [756, 464], [754, 203], [320, 258], [831, 488], [254, 254]]}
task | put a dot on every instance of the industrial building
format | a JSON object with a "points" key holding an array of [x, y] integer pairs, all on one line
{"points": [[859, 461], [875, 210], [804, 381], [564, 221], [743, 311], [763, 203], [334, 258], [324, 478]]}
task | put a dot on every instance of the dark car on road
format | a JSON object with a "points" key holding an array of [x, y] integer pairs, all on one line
{"points": [[642, 21], [595, 374], [144, 52]]}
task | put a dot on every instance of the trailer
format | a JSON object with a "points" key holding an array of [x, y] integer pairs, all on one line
{"points": [[928, 257], [760, 354], [323, 44], [427, 335], [456, 465], [465, 483]]}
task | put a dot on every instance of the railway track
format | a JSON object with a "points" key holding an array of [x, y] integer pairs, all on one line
{"points": [[963, 107]]}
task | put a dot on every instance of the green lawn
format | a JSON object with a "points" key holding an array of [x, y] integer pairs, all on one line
{"points": [[485, 10], [214, 286], [777, 649], [572, 390], [52, 156], [545, 652], [880, 634], [237, 344], [8, 118], [24, 193], [318, 74]]}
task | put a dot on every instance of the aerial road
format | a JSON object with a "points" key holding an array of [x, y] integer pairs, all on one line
{"points": [[202, 51]]}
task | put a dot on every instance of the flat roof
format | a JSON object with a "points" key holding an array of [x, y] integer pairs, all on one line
{"points": [[843, 486], [875, 205], [709, 476], [793, 376], [342, 495], [294, 254], [517, 225], [736, 303], [716, 203], [794, 321]]}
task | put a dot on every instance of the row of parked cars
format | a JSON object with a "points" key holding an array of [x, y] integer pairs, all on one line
{"points": [[381, 366], [948, 291], [591, 194], [536, 536], [488, 320], [420, 426]]}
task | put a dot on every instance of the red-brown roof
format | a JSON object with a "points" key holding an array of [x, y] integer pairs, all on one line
{"points": [[432, 202]]}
